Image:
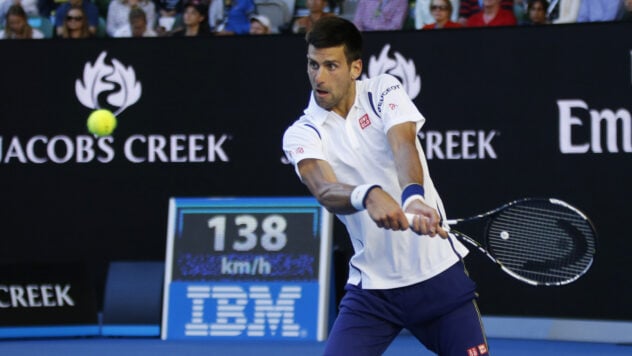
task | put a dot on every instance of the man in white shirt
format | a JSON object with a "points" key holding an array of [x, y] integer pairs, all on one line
{"points": [[356, 150]]}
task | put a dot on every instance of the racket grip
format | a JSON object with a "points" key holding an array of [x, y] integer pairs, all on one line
{"points": [[411, 216]]}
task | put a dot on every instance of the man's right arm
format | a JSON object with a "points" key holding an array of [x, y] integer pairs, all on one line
{"points": [[335, 196]]}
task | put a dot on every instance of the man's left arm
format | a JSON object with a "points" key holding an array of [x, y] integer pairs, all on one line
{"points": [[402, 138]]}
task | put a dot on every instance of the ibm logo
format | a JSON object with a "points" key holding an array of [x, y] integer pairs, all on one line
{"points": [[231, 319]]}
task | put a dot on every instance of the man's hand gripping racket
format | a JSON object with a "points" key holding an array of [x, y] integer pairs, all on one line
{"points": [[537, 241]]}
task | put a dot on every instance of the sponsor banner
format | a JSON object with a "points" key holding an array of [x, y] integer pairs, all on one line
{"points": [[46, 300], [247, 268], [548, 115]]}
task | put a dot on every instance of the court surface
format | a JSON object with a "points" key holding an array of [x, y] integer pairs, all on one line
{"points": [[403, 345]]}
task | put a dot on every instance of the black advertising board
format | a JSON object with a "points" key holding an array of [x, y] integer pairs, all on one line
{"points": [[46, 300], [511, 113]]}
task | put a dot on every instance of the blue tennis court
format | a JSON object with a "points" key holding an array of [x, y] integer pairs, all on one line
{"points": [[403, 345]]}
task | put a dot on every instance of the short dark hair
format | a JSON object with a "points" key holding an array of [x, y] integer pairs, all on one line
{"points": [[336, 31], [137, 13], [545, 4]]}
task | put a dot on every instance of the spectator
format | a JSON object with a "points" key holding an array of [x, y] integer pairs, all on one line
{"points": [[441, 11], [536, 13], [118, 14], [89, 8], [167, 12], [380, 15], [30, 8], [492, 15], [17, 27], [423, 15], [316, 11], [236, 18], [260, 25], [598, 10], [626, 11], [563, 11], [137, 26], [521, 10], [75, 24], [471, 7], [194, 18]]}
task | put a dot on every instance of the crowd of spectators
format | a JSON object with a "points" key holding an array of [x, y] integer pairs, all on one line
{"points": [[151, 18]]}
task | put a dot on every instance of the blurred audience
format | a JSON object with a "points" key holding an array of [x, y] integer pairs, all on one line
{"points": [[118, 14], [492, 15], [424, 16], [31, 8], [75, 24], [89, 9], [137, 26], [380, 15], [235, 19], [260, 25], [598, 10], [17, 27], [167, 13], [194, 19], [441, 11], [316, 11], [536, 13], [563, 11], [521, 10], [467, 8]]}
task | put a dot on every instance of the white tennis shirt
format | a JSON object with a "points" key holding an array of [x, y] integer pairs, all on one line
{"points": [[358, 150]]}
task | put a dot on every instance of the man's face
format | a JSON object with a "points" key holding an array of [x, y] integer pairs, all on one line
{"points": [[138, 27], [537, 13], [331, 76]]}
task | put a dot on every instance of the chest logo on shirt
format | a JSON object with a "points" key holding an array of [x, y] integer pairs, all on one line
{"points": [[392, 106], [364, 121]]}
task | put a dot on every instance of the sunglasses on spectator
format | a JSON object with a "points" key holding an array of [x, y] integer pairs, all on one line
{"points": [[438, 7], [75, 18]]}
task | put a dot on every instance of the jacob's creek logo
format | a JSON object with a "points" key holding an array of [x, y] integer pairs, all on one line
{"points": [[400, 67], [35, 296], [451, 144], [232, 318], [116, 79], [114, 87]]}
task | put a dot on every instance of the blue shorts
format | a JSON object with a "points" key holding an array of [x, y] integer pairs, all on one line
{"points": [[441, 312]]}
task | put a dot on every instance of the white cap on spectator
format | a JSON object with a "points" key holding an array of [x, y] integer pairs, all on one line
{"points": [[263, 19]]}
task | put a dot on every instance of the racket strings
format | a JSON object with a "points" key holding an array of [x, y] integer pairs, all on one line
{"points": [[547, 243]]}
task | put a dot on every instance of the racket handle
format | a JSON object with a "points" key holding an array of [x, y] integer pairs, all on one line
{"points": [[411, 216]]}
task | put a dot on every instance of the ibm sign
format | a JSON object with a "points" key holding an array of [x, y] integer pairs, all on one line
{"points": [[247, 268]]}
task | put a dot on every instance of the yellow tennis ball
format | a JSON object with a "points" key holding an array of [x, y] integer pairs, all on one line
{"points": [[101, 122]]}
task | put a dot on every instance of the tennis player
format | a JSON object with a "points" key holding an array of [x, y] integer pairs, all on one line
{"points": [[356, 150]]}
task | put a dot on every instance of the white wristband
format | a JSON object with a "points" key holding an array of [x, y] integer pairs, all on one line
{"points": [[358, 195], [412, 198]]}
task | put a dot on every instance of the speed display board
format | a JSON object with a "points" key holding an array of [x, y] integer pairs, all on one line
{"points": [[247, 268]]}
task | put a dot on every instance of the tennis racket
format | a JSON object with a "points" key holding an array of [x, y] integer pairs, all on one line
{"points": [[542, 242]]}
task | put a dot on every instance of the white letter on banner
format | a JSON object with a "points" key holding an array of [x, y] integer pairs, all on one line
{"points": [[281, 312], [231, 319], [611, 119], [566, 121]]}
